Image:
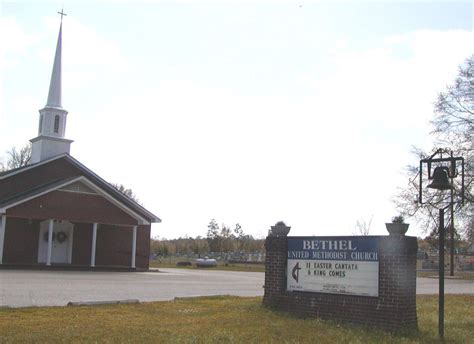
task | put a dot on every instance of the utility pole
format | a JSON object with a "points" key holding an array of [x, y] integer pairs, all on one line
{"points": [[451, 261]]}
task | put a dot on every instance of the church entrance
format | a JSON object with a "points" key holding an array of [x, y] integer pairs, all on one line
{"points": [[61, 250]]}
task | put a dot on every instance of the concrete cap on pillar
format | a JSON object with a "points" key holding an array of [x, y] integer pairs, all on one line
{"points": [[280, 229]]}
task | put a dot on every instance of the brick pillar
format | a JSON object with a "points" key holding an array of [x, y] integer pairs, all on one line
{"points": [[397, 281], [276, 251]]}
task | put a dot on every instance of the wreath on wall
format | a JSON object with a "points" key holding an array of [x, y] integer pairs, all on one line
{"points": [[46, 236], [61, 237]]}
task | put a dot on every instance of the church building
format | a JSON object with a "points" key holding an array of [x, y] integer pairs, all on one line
{"points": [[57, 212]]}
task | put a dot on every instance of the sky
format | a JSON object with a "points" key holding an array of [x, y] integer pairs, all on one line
{"points": [[247, 112]]}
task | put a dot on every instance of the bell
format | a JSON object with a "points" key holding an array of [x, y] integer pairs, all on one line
{"points": [[440, 179]]}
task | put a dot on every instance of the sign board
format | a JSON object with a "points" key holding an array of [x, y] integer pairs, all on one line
{"points": [[336, 265]]}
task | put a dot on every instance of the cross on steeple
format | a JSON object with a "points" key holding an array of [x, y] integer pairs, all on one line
{"points": [[62, 14], [52, 128]]}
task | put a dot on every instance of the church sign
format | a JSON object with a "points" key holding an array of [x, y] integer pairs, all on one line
{"points": [[336, 265]]}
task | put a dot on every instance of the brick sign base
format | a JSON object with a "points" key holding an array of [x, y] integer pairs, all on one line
{"points": [[393, 309]]}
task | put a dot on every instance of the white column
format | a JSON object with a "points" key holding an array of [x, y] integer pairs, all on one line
{"points": [[94, 242], [50, 241], [134, 245], [3, 226]]}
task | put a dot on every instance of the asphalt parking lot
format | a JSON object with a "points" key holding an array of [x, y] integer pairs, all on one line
{"points": [[24, 288]]}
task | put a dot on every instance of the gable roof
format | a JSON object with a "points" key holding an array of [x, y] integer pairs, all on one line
{"points": [[13, 170], [88, 177], [21, 169], [32, 193], [58, 185]]}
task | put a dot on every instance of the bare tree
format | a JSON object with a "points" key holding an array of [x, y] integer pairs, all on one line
{"points": [[454, 109], [362, 226], [454, 121], [470, 227], [127, 192], [453, 127], [213, 236], [16, 158]]}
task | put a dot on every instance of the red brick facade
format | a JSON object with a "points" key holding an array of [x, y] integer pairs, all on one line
{"points": [[82, 244], [21, 241], [74, 207], [393, 309], [114, 246], [28, 201]]}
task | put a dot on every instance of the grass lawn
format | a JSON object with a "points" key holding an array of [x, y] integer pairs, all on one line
{"points": [[171, 263], [218, 320], [220, 266], [457, 274]]}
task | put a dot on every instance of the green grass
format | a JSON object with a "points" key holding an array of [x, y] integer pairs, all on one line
{"points": [[218, 320], [457, 274], [220, 266], [171, 263]]}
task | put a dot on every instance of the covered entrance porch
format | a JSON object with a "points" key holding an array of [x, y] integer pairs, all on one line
{"points": [[49, 242]]}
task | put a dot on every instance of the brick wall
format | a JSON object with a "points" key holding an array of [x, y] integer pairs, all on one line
{"points": [[114, 246], [393, 309], [142, 259], [74, 207], [21, 241], [82, 244]]}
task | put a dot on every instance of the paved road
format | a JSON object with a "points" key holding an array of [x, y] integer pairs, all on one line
{"points": [[451, 286], [21, 288]]}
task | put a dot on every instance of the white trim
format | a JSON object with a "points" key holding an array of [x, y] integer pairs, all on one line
{"points": [[23, 200], [52, 138], [134, 245], [94, 243], [50, 241], [3, 227], [81, 189], [79, 192], [141, 220], [100, 191]]}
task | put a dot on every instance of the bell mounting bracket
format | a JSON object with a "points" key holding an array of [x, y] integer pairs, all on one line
{"points": [[438, 159]]}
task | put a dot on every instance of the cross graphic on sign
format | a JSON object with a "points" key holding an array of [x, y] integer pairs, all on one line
{"points": [[295, 273]]}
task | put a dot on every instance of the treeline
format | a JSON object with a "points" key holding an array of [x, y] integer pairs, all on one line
{"points": [[218, 239], [431, 244]]}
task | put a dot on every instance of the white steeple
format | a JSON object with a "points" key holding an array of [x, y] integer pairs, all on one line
{"points": [[54, 95], [52, 124]]}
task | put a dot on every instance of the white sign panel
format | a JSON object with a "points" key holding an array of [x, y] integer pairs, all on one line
{"points": [[337, 265]]}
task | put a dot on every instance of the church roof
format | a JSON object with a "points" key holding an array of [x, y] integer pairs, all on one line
{"points": [[30, 193], [14, 170], [87, 176]]}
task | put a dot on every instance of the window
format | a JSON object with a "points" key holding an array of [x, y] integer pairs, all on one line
{"points": [[56, 124], [41, 124]]}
